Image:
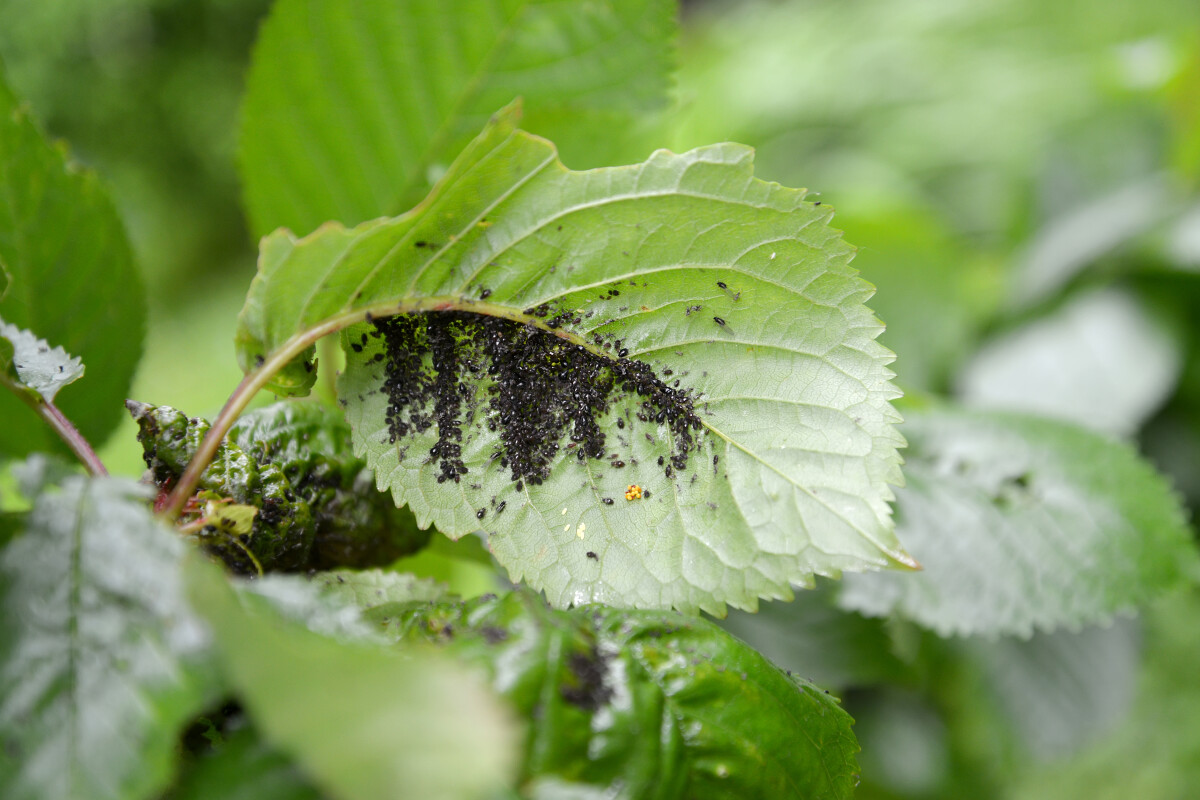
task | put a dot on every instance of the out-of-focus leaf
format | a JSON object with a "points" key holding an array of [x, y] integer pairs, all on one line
{"points": [[352, 111], [812, 637], [1152, 755], [376, 592], [931, 293], [907, 749], [31, 364], [658, 704], [1067, 245], [101, 660], [1023, 524], [962, 99], [1060, 690], [71, 278], [1100, 361], [244, 767], [581, 299], [366, 722]]}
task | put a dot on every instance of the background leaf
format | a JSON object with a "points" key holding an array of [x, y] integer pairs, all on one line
{"points": [[1060, 690], [812, 637], [101, 660], [72, 280], [352, 112], [364, 721], [1024, 524], [790, 475], [1101, 360], [655, 703]]}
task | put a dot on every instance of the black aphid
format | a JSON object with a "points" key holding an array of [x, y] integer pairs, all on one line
{"points": [[540, 390], [608, 501], [592, 556], [481, 513]]}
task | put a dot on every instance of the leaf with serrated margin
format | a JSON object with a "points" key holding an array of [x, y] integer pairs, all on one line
{"points": [[30, 363], [365, 721], [102, 663], [1025, 524], [70, 277], [353, 109], [791, 470]]}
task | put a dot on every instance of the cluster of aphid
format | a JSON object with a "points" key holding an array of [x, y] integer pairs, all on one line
{"points": [[540, 389]]}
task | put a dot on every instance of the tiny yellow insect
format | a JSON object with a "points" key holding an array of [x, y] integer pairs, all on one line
{"points": [[633, 492]]}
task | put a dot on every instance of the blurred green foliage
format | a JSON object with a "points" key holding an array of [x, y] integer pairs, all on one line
{"points": [[998, 163]]}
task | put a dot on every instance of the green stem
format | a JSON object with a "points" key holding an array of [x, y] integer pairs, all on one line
{"points": [[74, 439]]}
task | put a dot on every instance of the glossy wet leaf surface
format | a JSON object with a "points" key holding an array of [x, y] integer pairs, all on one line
{"points": [[283, 487], [647, 704], [664, 267]]}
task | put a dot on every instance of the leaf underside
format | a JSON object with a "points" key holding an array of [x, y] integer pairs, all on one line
{"points": [[685, 272], [1025, 524]]}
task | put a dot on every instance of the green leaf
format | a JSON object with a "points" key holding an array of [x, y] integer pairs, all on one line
{"points": [[244, 767], [101, 661], [1025, 524], [364, 721], [787, 474], [31, 364], [659, 704], [360, 120], [71, 278]]}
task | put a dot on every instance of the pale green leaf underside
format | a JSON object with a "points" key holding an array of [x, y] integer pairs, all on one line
{"points": [[101, 661], [1024, 524], [35, 364], [353, 109], [794, 387]]}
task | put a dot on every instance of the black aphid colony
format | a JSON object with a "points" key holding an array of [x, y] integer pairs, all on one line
{"points": [[540, 388]]}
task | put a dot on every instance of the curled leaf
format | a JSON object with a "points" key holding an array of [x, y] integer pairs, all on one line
{"points": [[292, 493]]}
